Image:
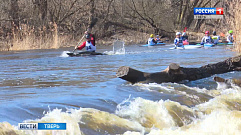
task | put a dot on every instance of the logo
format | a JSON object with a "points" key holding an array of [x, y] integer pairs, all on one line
{"points": [[41, 126], [27, 126], [208, 11], [219, 11]]}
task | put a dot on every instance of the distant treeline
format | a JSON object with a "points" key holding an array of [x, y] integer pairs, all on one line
{"points": [[49, 19]]}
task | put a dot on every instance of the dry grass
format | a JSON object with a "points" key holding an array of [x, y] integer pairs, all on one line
{"points": [[27, 38]]}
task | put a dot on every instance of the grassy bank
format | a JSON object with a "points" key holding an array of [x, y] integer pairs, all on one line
{"points": [[29, 38], [25, 37]]}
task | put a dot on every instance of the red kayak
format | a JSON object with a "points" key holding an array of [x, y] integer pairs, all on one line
{"points": [[185, 42]]}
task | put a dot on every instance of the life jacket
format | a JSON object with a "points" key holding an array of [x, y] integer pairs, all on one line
{"points": [[178, 40], [215, 39], [206, 39], [230, 38], [89, 46], [150, 41]]}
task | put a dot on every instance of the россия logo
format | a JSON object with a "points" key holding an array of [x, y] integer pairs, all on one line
{"points": [[208, 13]]}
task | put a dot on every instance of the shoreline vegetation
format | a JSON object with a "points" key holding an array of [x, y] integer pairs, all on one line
{"points": [[48, 24]]}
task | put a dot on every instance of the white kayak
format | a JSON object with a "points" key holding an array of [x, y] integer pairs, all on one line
{"points": [[188, 47], [192, 46]]}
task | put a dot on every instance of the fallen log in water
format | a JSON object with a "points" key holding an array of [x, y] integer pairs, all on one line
{"points": [[175, 73]]}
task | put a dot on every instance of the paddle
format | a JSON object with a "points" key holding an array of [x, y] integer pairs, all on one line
{"points": [[78, 43]]}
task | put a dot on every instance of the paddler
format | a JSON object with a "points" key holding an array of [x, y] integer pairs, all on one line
{"points": [[178, 40], [230, 36], [185, 38], [151, 40], [88, 44], [92, 37], [157, 39], [215, 38], [206, 39]]}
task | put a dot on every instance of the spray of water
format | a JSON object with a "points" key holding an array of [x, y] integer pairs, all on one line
{"points": [[64, 54], [118, 48]]}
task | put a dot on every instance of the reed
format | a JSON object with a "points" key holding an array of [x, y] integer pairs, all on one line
{"points": [[26, 37]]}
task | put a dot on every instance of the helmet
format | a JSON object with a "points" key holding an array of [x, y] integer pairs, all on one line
{"points": [[230, 31], [184, 34], [87, 36], [157, 35], [151, 35], [178, 33], [214, 33], [207, 32]]}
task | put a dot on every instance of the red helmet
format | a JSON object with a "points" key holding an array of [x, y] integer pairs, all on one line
{"points": [[207, 32]]}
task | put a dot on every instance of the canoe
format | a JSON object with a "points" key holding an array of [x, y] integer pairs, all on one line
{"points": [[153, 44], [208, 45], [86, 53]]}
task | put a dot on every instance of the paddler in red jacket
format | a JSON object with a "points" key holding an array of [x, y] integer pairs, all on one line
{"points": [[89, 44], [87, 32]]}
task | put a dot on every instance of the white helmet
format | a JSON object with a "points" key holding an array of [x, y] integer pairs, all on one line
{"points": [[178, 33]]}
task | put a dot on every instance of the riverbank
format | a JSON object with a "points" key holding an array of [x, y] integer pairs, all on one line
{"points": [[55, 40]]}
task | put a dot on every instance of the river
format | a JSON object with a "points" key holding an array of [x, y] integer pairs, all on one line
{"points": [[47, 86]]}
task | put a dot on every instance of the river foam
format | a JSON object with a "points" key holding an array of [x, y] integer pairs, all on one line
{"points": [[138, 116]]}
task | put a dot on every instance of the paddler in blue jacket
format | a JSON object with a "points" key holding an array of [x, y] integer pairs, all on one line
{"points": [[178, 40], [151, 40], [206, 39]]}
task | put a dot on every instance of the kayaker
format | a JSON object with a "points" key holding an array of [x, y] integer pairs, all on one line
{"points": [[88, 32], [178, 40], [157, 39], [185, 38], [230, 36], [88, 44], [215, 38], [206, 39], [151, 40]]}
